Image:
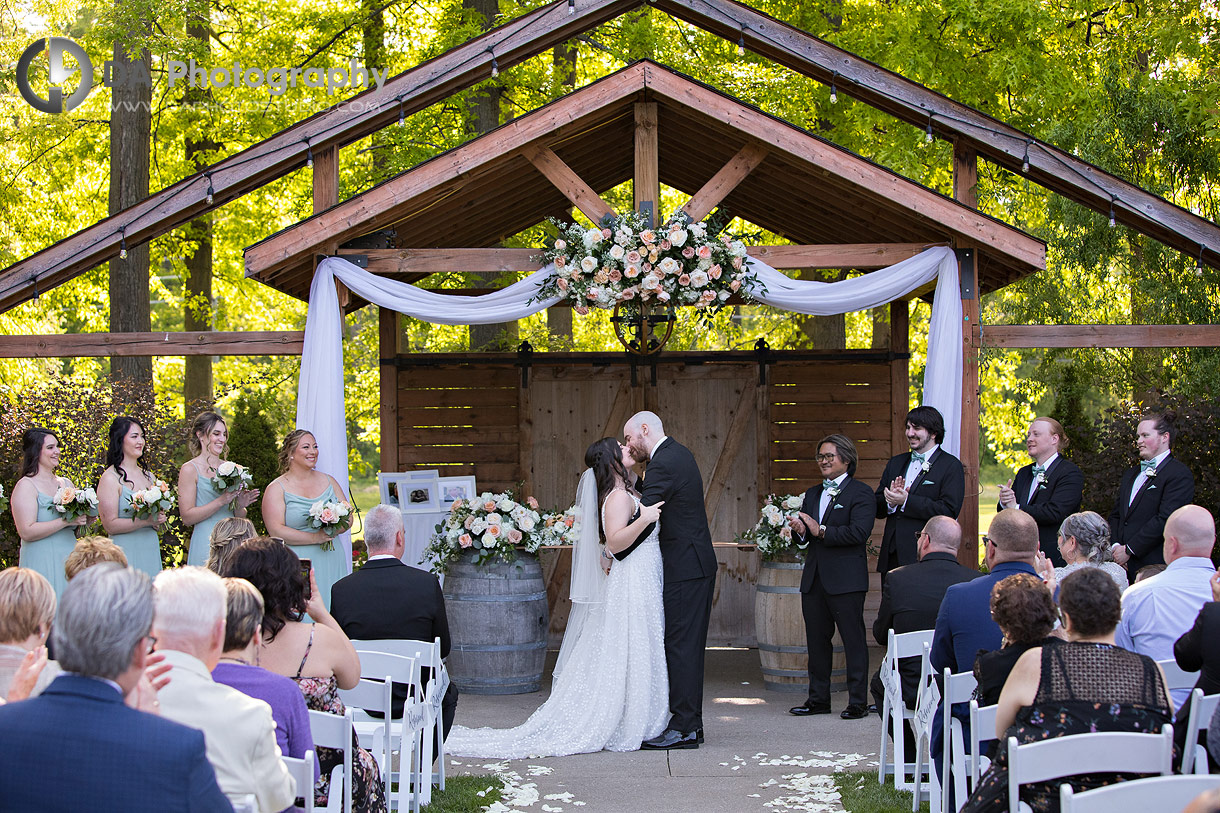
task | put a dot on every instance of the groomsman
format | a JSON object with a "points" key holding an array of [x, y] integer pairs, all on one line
{"points": [[1049, 489], [1148, 494], [835, 521], [917, 485]]}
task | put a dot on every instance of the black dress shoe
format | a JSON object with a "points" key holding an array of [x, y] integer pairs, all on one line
{"points": [[670, 740], [807, 708], [854, 711], [699, 735]]}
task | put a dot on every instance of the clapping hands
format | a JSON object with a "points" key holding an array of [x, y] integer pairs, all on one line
{"points": [[1008, 497], [896, 493], [801, 524]]}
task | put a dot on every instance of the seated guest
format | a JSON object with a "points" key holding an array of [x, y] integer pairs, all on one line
{"points": [[1050, 488], [1025, 612], [1082, 685], [78, 746], [190, 630], [1158, 610], [1084, 541], [27, 608], [237, 668], [226, 535], [1196, 651], [90, 551], [1148, 571], [318, 656], [388, 599]]}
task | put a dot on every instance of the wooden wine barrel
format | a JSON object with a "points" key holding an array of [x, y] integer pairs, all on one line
{"points": [[497, 625], [779, 627]]}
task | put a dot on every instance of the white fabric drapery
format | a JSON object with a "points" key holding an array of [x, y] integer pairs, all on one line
{"points": [[320, 398]]}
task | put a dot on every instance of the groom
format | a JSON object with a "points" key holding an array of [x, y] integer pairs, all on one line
{"points": [[689, 565]]}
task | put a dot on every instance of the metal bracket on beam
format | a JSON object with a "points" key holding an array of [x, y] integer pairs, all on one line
{"points": [[525, 355], [358, 260], [648, 209], [966, 272], [762, 351]]}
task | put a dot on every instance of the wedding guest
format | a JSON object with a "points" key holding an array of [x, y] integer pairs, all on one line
{"points": [[90, 551], [227, 534], [1148, 494], [125, 474], [26, 676], [1084, 684], [917, 485], [78, 746], [1025, 612], [1195, 651], [1148, 571], [46, 538], [1050, 488], [27, 608], [286, 509], [318, 656], [200, 504], [1158, 610], [835, 521], [1084, 541]]}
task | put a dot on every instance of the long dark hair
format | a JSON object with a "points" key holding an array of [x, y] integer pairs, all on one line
{"points": [[273, 568], [32, 441], [114, 450], [606, 459]]}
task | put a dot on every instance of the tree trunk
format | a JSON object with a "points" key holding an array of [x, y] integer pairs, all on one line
{"points": [[881, 328], [372, 37], [130, 130], [563, 56], [825, 332], [197, 304]]}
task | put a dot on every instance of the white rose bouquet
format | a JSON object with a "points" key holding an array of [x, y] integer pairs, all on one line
{"points": [[231, 477], [71, 502], [492, 525], [331, 517], [148, 502], [772, 535]]}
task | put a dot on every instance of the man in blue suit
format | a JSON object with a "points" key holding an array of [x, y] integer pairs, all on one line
{"points": [[78, 746]]}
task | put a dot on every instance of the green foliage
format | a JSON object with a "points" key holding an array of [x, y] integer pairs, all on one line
{"points": [[861, 793], [253, 443], [466, 793]]}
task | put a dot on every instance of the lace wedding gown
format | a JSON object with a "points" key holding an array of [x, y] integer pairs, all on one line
{"points": [[610, 689]]}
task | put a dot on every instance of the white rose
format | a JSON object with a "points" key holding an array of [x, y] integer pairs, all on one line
{"points": [[737, 248], [506, 505], [488, 540], [617, 252], [793, 503], [678, 238], [698, 279], [669, 265], [494, 519], [588, 264], [592, 237], [697, 230], [478, 526], [226, 468], [650, 283]]}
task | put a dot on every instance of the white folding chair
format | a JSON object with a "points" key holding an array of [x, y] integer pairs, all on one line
{"points": [[1177, 678], [1202, 707], [405, 670], [335, 731], [372, 694], [921, 723], [958, 688], [1102, 752], [982, 729], [1153, 793], [893, 710], [301, 771]]}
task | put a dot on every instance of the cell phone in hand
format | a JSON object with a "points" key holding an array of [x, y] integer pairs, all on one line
{"points": [[306, 566]]}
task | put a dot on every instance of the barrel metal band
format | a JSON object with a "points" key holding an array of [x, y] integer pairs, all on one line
{"points": [[784, 565], [798, 650], [508, 597], [767, 588]]}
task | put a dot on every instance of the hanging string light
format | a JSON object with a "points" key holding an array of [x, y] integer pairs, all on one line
{"points": [[1025, 161], [495, 67], [741, 43], [402, 116], [1112, 221], [834, 96], [571, 6], [1199, 264], [208, 175], [928, 135], [122, 243], [308, 154]]}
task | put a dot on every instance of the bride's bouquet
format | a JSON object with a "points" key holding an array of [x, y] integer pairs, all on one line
{"points": [[331, 517], [560, 527], [71, 502], [148, 502], [771, 534], [231, 477], [491, 525]]}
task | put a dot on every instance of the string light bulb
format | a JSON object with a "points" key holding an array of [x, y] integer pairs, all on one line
{"points": [[571, 6], [122, 244], [1025, 161], [210, 190], [834, 95], [927, 137], [308, 154], [741, 44], [1113, 223], [495, 67], [402, 116], [1199, 264]]}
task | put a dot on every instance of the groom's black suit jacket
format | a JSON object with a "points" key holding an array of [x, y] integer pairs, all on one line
{"points": [[686, 541], [1057, 498], [939, 491], [1141, 525]]}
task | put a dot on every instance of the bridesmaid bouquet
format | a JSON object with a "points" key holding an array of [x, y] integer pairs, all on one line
{"points": [[148, 502], [231, 477], [771, 534], [71, 502], [492, 525], [331, 517]]}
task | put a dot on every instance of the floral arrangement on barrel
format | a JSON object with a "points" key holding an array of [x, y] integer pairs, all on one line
{"points": [[561, 528], [490, 525], [331, 517], [155, 499], [771, 533], [625, 262]]}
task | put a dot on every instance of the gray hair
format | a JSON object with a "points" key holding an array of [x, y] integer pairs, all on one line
{"points": [[381, 526], [1092, 535], [651, 418], [189, 601], [103, 614]]}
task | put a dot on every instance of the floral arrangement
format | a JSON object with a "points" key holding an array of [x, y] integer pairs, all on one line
{"points": [[331, 517], [148, 502], [771, 534], [492, 525], [681, 263], [231, 477], [72, 502], [560, 527]]}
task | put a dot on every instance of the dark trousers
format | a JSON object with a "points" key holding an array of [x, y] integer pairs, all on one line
{"points": [[688, 606], [823, 613]]}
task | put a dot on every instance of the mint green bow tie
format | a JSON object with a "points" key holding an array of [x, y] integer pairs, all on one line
{"points": [[918, 457], [1039, 470], [830, 485], [1147, 466]]}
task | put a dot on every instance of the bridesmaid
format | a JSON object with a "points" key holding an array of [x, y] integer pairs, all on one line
{"points": [[46, 538], [286, 508], [199, 503], [124, 474]]}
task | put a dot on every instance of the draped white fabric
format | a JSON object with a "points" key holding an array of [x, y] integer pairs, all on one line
{"points": [[320, 400]]}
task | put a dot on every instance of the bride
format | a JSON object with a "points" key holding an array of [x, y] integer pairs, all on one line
{"points": [[610, 690]]}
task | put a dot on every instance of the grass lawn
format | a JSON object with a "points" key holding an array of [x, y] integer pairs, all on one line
{"points": [[365, 495], [467, 793], [862, 794]]}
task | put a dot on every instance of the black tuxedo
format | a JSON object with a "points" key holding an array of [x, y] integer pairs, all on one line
{"points": [[1058, 497], [689, 564], [939, 491], [833, 586], [1141, 525], [1196, 651], [386, 599]]}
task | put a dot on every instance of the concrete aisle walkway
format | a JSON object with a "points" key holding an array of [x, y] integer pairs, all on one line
{"points": [[757, 756]]}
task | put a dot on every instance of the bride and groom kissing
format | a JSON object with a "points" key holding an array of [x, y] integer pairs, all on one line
{"points": [[630, 670]]}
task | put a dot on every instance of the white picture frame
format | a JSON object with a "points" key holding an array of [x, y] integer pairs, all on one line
{"points": [[453, 489], [422, 474], [387, 487]]}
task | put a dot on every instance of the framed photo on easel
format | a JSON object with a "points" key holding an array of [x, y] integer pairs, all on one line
{"points": [[456, 488]]}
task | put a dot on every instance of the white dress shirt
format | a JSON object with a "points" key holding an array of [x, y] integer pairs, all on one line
{"points": [[653, 450], [1033, 486], [1140, 477], [912, 473], [825, 499]]}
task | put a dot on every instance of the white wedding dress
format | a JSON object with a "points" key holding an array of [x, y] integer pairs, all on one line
{"points": [[610, 690]]}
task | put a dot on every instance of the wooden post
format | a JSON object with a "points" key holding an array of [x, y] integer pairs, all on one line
{"points": [[965, 190], [387, 345], [326, 195], [647, 179], [900, 372]]}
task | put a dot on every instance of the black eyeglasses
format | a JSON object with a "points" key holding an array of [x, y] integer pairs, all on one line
{"points": [[986, 539], [920, 535], [826, 458]]}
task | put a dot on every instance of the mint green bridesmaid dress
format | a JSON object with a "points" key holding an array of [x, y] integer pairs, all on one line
{"points": [[328, 565], [201, 534], [143, 547], [47, 555]]}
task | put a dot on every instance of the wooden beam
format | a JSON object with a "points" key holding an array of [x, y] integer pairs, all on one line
{"points": [[723, 182], [1042, 336], [728, 459], [583, 197], [646, 183], [966, 175], [326, 195], [387, 348], [848, 255], [900, 385], [102, 345]]}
